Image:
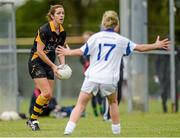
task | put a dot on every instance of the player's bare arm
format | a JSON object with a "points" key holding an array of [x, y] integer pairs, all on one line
{"points": [[159, 44], [61, 58], [68, 51]]}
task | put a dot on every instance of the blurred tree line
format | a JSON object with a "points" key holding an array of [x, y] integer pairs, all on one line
{"points": [[83, 15], [158, 24], [80, 15], [158, 19]]}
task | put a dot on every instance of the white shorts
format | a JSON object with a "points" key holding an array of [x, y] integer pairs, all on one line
{"points": [[93, 87]]}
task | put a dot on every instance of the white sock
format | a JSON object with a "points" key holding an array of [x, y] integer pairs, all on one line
{"points": [[69, 127], [116, 128]]}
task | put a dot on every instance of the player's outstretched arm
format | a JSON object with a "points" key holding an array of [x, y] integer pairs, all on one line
{"points": [[159, 44], [68, 51]]}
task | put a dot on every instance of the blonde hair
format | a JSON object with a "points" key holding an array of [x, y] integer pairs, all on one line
{"points": [[52, 11], [109, 20]]}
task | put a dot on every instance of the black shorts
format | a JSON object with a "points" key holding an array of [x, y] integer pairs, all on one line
{"points": [[40, 70]]}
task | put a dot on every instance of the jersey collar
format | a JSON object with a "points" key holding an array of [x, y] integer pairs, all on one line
{"points": [[109, 30], [53, 27]]}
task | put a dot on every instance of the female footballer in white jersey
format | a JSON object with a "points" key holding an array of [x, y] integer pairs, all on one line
{"points": [[106, 49]]}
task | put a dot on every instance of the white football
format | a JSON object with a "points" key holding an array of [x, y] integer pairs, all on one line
{"points": [[5, 116], [14, 115], [64, 72]]}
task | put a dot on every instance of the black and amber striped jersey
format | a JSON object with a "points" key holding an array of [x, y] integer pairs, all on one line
{"points": [[48, 37]]}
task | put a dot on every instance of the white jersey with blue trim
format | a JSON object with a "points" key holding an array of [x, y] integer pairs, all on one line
{"points": [[106, 49]]}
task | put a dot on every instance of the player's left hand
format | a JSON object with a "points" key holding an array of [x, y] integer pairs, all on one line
{"points": [[55, 69], [162, 44], [63, 51]]}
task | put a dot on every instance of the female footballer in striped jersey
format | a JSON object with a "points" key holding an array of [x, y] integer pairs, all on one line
{"points": [[42, 57], [105, 49]]}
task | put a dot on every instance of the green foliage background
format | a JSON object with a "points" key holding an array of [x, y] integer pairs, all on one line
{"points": [[78, 16], [81, 15]]}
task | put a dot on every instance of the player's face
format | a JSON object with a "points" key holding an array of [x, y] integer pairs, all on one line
{"points": [[59, 16]]}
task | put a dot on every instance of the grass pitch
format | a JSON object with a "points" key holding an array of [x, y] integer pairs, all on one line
{"points": [[136, 124]]}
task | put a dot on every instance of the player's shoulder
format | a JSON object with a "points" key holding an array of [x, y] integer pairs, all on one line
{"points": [[112, 33], [93, 37], [44, 28], [105, 33], [96, 35], [121, 38]]}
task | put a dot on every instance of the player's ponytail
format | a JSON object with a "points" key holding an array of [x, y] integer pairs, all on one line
{"points": [[110, 20]]}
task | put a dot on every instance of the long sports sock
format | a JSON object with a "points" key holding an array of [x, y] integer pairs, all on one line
{"points": [[40, 101]]}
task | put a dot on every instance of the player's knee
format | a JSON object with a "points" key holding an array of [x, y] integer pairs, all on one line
{"points": [[47, 95]]}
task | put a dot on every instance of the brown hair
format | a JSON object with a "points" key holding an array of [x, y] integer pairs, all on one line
{"points": [[52, 10]]}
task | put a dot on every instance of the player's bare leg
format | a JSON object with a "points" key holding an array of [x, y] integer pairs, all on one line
{"points": [[114, 113], [46, 88], [77, 111]]}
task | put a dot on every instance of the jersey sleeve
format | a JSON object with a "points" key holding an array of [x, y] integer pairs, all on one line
{"points": [[128, 46], [85, 48], [41, 37]]}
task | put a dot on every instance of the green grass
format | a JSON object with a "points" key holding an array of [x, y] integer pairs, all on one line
{"points": [[136, 124]]}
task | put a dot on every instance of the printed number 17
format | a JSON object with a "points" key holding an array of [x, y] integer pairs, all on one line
{"points": [[111, 47]]}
